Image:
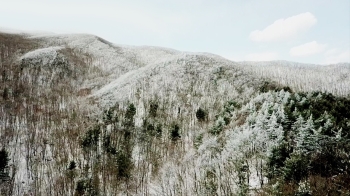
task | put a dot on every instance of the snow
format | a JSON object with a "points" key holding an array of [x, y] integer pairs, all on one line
{"points": [[303, 77], [45, 55], [125, 67], [193, 80]]}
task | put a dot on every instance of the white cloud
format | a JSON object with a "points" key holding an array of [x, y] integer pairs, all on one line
{"points": [[283, 29], [307, 49], [263, 56], [334, 56]]}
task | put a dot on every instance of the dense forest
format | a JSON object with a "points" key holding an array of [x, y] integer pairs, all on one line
{"points": [[82, 116]]}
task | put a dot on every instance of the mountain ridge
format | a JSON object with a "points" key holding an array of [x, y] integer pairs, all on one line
{"points": [[83, 116]]}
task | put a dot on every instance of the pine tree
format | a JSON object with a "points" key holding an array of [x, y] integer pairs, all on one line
{"points": [[201, 115], [3, 160], [305, 141]]}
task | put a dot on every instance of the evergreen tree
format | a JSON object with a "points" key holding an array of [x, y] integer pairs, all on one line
{"points": [[218, 126], [296, 167], [305, 141], [5, 93], [201, 115], [4, 159], [175, 134], [129, 116]]}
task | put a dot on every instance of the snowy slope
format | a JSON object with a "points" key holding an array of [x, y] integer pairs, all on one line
{"points": [[116, 61], [304, 77], [71, 79], [123, 67]]}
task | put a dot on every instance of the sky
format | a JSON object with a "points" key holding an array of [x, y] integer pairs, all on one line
{"points": [[307, 31]]}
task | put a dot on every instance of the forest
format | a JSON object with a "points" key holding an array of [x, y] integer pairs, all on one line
{"points": [[82, 116]]}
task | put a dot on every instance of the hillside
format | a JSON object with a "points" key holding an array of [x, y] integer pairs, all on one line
{"points": [[83, 116]]}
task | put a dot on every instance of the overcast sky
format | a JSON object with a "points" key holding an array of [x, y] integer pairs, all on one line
{"points": [[309, 31]]}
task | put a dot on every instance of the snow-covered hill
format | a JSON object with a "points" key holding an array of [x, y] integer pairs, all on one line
{"points": [[81, 115]]}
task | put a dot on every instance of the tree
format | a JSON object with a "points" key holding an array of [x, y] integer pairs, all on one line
{"points": [[218, 127], [129, 116], [81, 187], [174, 134], [159, 130], [72, 165], [110, 116], [296, 168], [276, 159], [124, 164], [305, 141], [3, 160], [201, 115], [130, 112], [91, 137], [5, 94], [153, 109]]}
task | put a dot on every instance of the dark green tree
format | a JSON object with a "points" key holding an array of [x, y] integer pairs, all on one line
{"points": [[130, 112], [124, 164], [5, 93], [296, 168], [129, 116], [81, 187], [174, 133], [4, 159], [110, 116], [201, 115], [107, 145], [72, 165], [91, 137], [276, 160]]}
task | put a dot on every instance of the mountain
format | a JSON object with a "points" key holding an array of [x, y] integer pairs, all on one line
{"points": [[83, 116]]}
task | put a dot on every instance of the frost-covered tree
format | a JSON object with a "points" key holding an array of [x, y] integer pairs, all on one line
{"points": [[305, 140]]}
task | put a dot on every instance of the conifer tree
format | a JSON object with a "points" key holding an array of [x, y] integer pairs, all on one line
{"points": [[4, 159]]}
